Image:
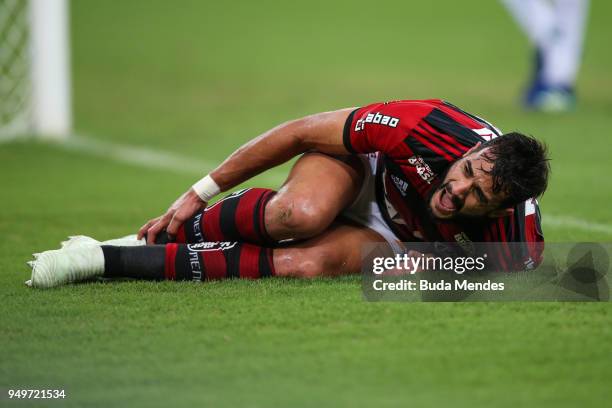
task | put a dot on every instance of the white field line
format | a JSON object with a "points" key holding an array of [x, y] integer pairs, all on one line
{"points": [[6, 138], [565, 222], [149, 158], [155, 159], [138, 156]]}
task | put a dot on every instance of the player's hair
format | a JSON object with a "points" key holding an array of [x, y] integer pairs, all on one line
{"points": [[520, 167]]}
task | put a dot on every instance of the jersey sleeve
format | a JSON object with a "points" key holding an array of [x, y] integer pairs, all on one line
{"points": [[381, 127]]}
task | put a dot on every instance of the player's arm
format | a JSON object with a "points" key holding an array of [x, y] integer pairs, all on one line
{"points": [[322, 132]]}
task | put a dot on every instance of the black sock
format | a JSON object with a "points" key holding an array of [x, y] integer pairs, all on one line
{"points": [[138, 262], [196, 262]]}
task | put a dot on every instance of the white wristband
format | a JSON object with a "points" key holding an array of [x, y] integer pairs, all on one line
{"points": [[206, 188]]}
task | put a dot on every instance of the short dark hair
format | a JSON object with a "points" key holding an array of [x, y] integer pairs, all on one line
{"points": [[520, 167]]}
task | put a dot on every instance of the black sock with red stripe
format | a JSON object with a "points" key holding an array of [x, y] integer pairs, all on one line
{"points": [[237, 217], [217, 260], [196, 262]]}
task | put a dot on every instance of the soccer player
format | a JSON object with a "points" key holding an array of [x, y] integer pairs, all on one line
{"points": [[402, 171]]}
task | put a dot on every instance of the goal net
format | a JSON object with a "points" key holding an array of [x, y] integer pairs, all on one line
{"points": [[34, 68]]}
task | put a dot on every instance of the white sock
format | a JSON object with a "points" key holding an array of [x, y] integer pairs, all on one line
{"points": [[563, 53]]}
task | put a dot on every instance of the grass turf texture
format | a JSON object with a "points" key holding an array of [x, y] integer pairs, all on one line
{"points": [[199, 79]]}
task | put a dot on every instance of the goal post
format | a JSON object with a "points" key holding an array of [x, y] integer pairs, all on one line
{"points": [[50, 68], [35, 90]]}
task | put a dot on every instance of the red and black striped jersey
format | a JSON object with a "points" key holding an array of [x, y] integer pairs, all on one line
{"points": [[416, 142]]}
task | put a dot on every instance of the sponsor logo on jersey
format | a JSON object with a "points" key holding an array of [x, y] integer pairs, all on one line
{"points": [[196, 268], [211, 246], [422, 168], [378, 119], [197, 230]]}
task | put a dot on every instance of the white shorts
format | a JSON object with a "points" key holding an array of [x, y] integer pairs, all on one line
{"points": [[364, 210]]}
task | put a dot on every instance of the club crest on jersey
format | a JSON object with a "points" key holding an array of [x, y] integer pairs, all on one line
{"points": [[376, 118], [422, 168], [211, 246]]}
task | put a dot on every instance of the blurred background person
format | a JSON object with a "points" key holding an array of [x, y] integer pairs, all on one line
{"points": [[556, 30]]}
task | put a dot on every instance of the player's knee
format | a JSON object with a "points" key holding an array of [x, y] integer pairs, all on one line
{"points": [[295, 217], [306, 263]]}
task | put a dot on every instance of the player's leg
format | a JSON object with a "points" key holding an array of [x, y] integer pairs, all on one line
{"points": [[335, 252], [317, 189], [556, 29], [535, 17], [560, 58], [565, 52]]}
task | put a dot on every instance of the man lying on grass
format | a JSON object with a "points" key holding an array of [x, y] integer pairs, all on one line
{"points": [[395, 172]]}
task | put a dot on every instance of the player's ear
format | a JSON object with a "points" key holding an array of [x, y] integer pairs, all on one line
{"points": [[472, 149], [501, 212]]}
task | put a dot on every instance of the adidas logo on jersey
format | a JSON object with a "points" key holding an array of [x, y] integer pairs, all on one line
{"points": [[401, 185], [376, 118]]}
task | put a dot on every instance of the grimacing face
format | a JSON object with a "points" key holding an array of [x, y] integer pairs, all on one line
{"points": [[467, 190]]}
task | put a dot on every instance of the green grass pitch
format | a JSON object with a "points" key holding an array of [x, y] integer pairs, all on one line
{"points": [[198, 78]]}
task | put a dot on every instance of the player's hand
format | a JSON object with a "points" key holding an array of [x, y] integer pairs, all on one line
{"points": [[180, 211]]}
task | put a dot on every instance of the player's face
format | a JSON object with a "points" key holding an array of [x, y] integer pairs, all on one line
{"points": [[467, 190]]}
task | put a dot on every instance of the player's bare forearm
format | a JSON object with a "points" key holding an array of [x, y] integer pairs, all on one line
{"points": [[321, 132]]}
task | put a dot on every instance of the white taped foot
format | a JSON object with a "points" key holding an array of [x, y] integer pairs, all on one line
{"points": [[80, 241], [59, 267], [128, 240]]}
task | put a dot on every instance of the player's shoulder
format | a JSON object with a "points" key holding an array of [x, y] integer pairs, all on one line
{"points": [[433, 129], [437, 114], [412, 107], [399, 114]]}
